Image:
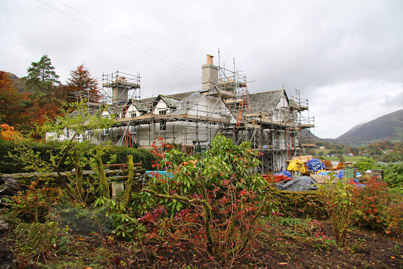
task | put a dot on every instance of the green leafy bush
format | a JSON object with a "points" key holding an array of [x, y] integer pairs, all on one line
{"points": [[366, 164], [214, 201], [393, 175], [9, 165], [125, 224], [337, 197], [35, 242]]}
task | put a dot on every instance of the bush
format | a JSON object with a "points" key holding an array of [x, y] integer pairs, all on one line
{"points": [[35, 242], [32, 205], [393, 175], [214, 202], [139, 155], [377, 207], [338, 200], [9, 165], [366, 164]]}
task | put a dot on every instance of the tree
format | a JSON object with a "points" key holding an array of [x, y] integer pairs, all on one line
{"points": [[41, 76], [81, 81], [9, 98], [42, 82], [12, 103]]}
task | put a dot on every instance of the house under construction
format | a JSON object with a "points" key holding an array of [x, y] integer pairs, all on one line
{"points": [[272, 121]]}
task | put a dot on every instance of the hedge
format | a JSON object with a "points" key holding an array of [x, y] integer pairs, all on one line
{"points": [[8, 165]]}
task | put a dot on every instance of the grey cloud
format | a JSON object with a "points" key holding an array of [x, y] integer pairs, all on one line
{"points": [[310, 45]]}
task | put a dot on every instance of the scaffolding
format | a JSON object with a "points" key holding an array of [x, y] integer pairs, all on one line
{"points": [[271, 121], [118, 87]]}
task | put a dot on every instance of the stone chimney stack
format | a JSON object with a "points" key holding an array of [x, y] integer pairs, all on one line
{"points": [[209, 74]]}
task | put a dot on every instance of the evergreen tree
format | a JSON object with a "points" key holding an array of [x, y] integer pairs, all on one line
{"points": [[42, 77], [43, 84], [82, 82]]}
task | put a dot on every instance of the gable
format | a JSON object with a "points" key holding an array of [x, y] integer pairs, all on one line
{"points": [[160, 106], [205, 106], [267, 102]]}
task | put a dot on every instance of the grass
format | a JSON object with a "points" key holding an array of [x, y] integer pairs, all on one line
{"points": [[346, 158]]}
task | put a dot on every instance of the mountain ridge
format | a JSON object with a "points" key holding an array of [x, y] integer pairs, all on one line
{"points": [[388, 127]]}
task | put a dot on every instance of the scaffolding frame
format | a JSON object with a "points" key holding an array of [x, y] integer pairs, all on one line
{"points": [[278, 140]]}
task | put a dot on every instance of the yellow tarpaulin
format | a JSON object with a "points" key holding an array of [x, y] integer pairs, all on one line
{"points": [[296, 165]]}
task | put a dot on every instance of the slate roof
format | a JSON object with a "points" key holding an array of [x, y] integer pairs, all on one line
{"points": [[181, 96], [140, 105], [265, 101]]}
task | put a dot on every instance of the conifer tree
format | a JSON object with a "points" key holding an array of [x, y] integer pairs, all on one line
{"points": [[43, 84], [42, 77], [81, 81]]}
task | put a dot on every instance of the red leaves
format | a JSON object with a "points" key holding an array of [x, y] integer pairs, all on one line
{"points": [[153, 215]]}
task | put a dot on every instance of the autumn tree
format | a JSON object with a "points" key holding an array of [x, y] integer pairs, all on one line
{"points": [[82, 82], [12, 107], [8, 133]]}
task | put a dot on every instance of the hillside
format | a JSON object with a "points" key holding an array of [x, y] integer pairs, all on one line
{"points": [[18, 83], [386, 128]]}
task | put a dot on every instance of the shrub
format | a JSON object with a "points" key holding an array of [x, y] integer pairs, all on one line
{"points": [[393, 175], [214, 202], [125, 225], [9, 165], [35, 242], [365, 164], [33, 204], [338, 200], [377, 207]]}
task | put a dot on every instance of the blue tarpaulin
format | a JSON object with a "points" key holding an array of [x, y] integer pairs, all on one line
{"points": [[159, 174], [315, 165], [340, 173], [285, 173]]}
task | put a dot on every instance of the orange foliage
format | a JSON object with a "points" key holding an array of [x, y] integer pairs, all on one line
{"points": [[8, 133]]}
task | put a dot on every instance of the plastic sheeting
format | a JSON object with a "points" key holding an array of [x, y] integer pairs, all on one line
{"points": [[159, 174], [296, 165], [285, 173], [298, 184], [315, 165], [340, 174]]}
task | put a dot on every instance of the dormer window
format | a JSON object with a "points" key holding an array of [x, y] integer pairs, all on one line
{"points": [[133, 114], [162, 112]]}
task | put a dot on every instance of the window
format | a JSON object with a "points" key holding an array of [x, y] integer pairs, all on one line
{"points": [[133, 114], [132, 129], [106, 132], [162, 112], [163, 126]]}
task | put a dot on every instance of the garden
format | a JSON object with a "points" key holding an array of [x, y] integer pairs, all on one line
{"points": [[210, 210]]}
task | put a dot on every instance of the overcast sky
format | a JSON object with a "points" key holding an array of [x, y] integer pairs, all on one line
{"points": [[346, 57]]}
